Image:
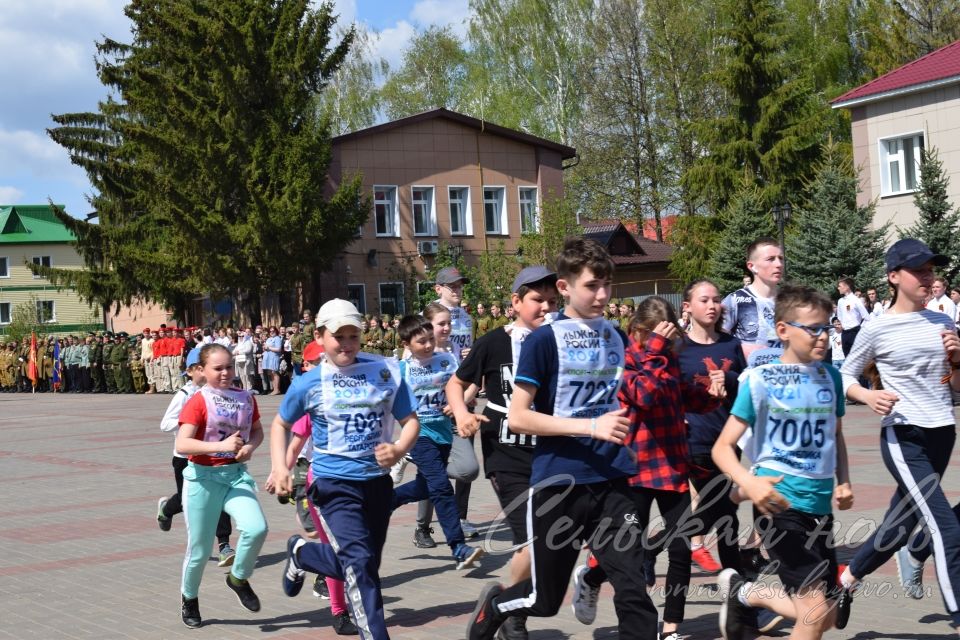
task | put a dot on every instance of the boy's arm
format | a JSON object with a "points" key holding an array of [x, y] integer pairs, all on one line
{"points": [[278, 463], [171, 419], [843, 492], [387, 453], [760, 489], [612, 427], [468, 423], [293, 449]]}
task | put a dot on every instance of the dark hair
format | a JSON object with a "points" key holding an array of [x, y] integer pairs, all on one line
{"points": [[762, 241], [793, 297], [579, 254], [208, 349], [651, 312], [849, 283], [412, 326], [688, 297], [433, 309], [545, 285]]}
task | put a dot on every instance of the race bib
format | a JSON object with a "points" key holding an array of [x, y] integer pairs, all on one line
{"points": [[428, 382], [358, 405], [228, 411], [461, 331], [590, 354]]}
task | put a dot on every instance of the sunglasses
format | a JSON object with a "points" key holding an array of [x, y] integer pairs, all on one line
{"points": [[815, 330]]}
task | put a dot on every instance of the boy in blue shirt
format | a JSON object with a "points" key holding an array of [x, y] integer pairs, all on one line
{"points": [[794, 405], [353, 402], [566, 385]]}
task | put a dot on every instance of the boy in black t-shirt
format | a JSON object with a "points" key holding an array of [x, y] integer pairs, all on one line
{"points": [[565, 392], [507, 456]]}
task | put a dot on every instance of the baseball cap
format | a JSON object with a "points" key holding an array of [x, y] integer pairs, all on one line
{"points": [[193, 357], [912, 253], [449, 275], [528, 276], [312, 351], [338, 313]]}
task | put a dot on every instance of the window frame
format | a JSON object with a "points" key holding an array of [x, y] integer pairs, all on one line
{"points": [[401, 299], [49, 265], [467, 229], [536, 207], [504, 229], [431, 203], [886, 158], [53, 311], [363, 297], [5, 260], [9, 306], [394, 219]]}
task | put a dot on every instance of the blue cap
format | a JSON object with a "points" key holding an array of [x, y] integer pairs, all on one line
{"points": [[532, 275], [912, 253], [193, 357]]}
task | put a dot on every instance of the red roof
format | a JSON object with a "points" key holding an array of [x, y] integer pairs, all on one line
{"points": [[938, 67]]}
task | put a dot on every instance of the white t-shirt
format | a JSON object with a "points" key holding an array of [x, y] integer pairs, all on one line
{"points": [[943, 304]]}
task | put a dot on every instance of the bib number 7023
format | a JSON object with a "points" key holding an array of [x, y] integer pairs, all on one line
{"points": [[362, 422], [808, 433]]}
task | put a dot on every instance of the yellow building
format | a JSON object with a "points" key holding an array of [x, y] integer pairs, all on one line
{"points": [[32, 233]]}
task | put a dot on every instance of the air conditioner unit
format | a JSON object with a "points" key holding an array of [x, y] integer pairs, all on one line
{"points": [[428, 247]]}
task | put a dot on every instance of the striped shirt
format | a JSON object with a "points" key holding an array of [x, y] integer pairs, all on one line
{"points": [[908, 350]]}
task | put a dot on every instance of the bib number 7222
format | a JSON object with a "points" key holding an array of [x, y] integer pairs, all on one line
{"points": [[808, 433], [594, 392]]}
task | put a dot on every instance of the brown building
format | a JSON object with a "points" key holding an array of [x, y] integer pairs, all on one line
{"points": [[438, 177], [641, 263]]}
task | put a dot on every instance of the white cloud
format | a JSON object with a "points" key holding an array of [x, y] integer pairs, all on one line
{"points": [[347, 10], [442, 12], [390, 43], [10, 195]]}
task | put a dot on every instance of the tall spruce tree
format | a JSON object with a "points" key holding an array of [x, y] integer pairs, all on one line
{"points": [[744, 220], [215, 156], [831, 236], [938, 223]]}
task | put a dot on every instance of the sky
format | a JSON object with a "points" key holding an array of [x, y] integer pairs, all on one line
{"points": [[47, 67]]}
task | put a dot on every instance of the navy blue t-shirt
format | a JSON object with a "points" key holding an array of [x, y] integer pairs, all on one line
{"points": [[696, 361], [556, 458]]}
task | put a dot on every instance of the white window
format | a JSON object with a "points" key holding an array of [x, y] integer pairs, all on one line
{"points": [[357, 294], [391, 298], [494, 213], [529, 214], [424, 218], [4, 313], [43, 261], [900, 164], [4, 267], [46, 311], [461, 222], [385, 211]]}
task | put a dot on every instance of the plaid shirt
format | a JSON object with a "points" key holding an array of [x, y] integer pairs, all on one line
{"points": [[656, 398]]}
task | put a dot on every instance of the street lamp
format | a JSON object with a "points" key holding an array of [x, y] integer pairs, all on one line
{"points": [[781, 215]]}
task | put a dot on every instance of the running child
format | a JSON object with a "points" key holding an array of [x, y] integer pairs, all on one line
{"points": [[353, 402], [507, 456], [565, 393], [426, 371], [169, 507], [219, 431], [795, 406], [917, 354]]}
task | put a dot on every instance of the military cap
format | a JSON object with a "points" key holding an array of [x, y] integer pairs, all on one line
{"points": [[615, 301], [386, 318], [628, 302]]}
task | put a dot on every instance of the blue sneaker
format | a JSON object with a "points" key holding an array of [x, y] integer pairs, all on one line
{"points": [[910, 573], [292, 574], [466, 556], [767, 620]]}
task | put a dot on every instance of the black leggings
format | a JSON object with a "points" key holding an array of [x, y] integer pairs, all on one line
{"points": [[715, 509]]}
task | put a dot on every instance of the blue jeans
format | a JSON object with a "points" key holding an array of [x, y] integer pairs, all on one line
{"points": [[432, 482]]}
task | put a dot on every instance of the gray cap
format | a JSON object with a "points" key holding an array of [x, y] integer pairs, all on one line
{"points": [[530, 275], [449, 275]]}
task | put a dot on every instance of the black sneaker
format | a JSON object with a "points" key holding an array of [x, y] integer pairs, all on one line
{"points": [[343, 625], [844, 600], [514, 628], [731, 609], [245, 594], [320, 589], [753, 563], [422, 538], [485, 619], [190, 612], [163, 521]]}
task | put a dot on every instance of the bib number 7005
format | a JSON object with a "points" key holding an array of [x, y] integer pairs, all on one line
{"points": [[361, 422], [808, 433], [594, 392]]}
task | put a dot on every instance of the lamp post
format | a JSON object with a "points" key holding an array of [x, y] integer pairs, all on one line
{"points": [[781, 215]]}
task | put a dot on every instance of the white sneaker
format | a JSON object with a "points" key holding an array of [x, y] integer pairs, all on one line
{"points": [[396, 471], [584, 597]]}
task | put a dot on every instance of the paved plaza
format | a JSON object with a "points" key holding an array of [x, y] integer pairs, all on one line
{"points": [[83, 556]]}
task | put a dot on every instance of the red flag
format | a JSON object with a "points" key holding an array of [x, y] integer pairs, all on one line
{"points": [[32, 366]]}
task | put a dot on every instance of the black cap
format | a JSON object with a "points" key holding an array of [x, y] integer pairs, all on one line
{"points": [[530, 275], [912, 253]]}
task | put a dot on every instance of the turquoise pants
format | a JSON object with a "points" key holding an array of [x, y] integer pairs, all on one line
{"points": [[206, 492]]}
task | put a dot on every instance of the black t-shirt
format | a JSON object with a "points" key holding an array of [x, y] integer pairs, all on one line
{"points": [[490, 364], [696, 361]]}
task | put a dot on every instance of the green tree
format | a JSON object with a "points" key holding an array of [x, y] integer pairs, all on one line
{"points": [[938, 223], [772, 123], [24, 321], [745, 219], [900, 31], [432, 74], [493, 274], [832, 237], [556, 223], [215, 156], [351, 99], [693, 238]]}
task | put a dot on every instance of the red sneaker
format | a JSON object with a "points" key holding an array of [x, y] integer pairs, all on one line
{"points": [[705, 561]]}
